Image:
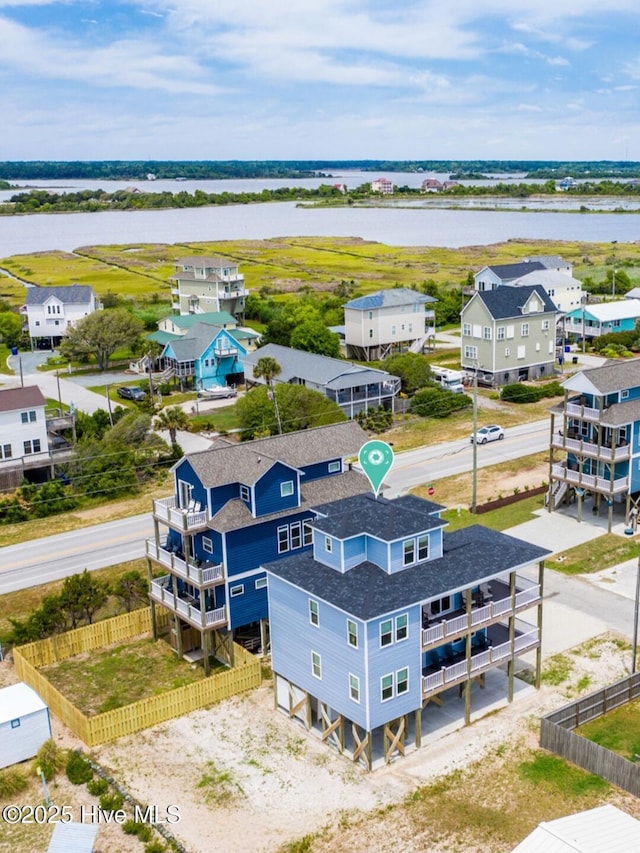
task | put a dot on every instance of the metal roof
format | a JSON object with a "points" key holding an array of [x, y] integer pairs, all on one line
{"points": [[605, 828], [18, 700], [73, 838], [603, 312]]}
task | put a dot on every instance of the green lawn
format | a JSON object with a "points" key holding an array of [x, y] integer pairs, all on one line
{"points": [[497, 519], [617, 730], [601, 553], [119, 675]]}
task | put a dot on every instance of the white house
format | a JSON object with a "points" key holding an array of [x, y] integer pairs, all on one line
{"points": [[382, 185], [497, 275], [388, 321], [49, 311], [203, 284], [24, 723], [565, 290]]}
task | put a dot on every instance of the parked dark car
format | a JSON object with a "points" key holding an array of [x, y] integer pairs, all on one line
{"points": [[127, 393]]}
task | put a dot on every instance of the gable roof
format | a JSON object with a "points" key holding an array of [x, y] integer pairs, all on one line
{"points": [[603, 828], [547, 278], [471, 555], [507, 272], [194, 344], [319, 369], [391, 298], [610, 377], [507, 301], [12, 399], [213, 318], [73, 294], [19, 700], [201, 261], [223, 462]]}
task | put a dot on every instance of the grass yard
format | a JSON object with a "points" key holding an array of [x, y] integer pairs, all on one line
{"points": [[601, 553], [617, 730], [496, 519], [110, 678]]}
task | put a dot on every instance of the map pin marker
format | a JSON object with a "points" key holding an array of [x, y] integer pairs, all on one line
{"points": [[375, 458]]}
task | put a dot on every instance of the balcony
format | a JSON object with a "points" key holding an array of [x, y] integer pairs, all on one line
{"points": [[203, 576], [584, 413], [226, 352], [483, 614], [592, 482], [619, 453], [459, 669], [184, 520], [185, 606]]}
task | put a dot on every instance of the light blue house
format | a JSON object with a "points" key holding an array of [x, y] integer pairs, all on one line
{"points": [[208, 356], [387, 613], [591, 321], [234, 507], [595, 440]]}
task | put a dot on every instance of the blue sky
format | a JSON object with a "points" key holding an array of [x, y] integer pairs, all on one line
{"points": [[313, 79]]}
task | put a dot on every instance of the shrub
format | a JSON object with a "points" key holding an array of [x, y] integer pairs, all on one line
{"points": [[519, 393], [50, 759], [12, 782], [154, 847], [437, 403], [97, 787], [142, 830], [111, 802], [78, 769]]}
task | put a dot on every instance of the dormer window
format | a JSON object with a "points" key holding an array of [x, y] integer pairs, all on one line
{"points": [[244, 493], [413, 547], [286, 489]]}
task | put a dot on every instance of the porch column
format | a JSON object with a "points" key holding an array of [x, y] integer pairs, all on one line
{"points": [[539, 649], [263, 636], [512, 634], [206, 651], [418, 726], [550, 495]]}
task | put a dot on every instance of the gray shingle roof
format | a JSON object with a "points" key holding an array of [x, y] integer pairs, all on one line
{"points": [[507, 272], [234, 515], [73, 294], [621, 413], [471, 555], [614, 375], [385, 519], [505, 302], [224, 461], [393, 297], [320, 369]]}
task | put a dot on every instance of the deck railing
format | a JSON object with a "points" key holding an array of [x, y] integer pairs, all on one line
{"points": [[589, 481], [197, 575], [588, 448], [161, 591], [166, 510]]}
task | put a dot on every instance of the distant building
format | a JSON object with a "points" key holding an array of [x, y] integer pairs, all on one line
{"points": [[431, 185], [206, 356], [565, 291], [205, 284], [50, 311], [592, 321], [382, 185], [497, 275]]}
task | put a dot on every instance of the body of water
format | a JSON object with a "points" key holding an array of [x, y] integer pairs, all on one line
{"points": [[392, 226]]}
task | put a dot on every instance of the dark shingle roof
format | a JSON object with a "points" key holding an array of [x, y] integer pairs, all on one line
{"points": [[385, 519], [471, 555], [224, 461], [72, 294], [12, 399], [505, 302], [614, 375], [507, 272]]}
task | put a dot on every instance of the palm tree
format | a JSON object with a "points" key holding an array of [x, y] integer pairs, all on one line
{"points": [[267, 368], [172, 419]]}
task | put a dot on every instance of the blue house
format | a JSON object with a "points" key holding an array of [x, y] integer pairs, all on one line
{"points": [[208, 356], [595, 440], [234, 507], [386, 613], [604, 318]]}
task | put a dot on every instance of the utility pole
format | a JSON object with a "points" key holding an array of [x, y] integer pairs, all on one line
{"points": [[474, 487], [109, 405], [635, 621]]}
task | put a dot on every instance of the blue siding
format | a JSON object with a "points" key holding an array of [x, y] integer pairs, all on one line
{"points": [[267, 490], [435, 544], [253, 546], [289, 617], [251, 605], [378, 552], [220, 495], [635, 438], [389, 659], [635, 474], [185, 472], [634, 394], [212, 370], [354, 551], [319, 470], [331, 558], [205, 556]]}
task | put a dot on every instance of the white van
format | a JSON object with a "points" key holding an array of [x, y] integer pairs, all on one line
{"points": [[449, 379]]}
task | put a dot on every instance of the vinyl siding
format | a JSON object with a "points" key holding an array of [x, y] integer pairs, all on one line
{"points": [[258, 544], [332, 558], [185, 473], [220, 495], [267, 490], [251, 605], [319, 470], [354, 551]]}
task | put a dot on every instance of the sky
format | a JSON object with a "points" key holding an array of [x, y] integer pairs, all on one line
{"points": [[320, 79]]}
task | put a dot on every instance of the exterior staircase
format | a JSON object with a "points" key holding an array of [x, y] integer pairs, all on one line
{"points": [[558, 492], [418, 346]]}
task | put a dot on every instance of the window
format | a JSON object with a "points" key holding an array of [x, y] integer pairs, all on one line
{"points": [[522, 352], [286, 489], [408, 552], [466, 330], [352, 633], [236, 590], [386, 632], [393, 330], [207, 545], [328, 544], [334, 467], [442, 605], [500, 333], [470, 352], [402, 627], [283, 539], [5, 451], [537, 346], [624, 395], [295, 535], [244, 493], [510, 331], [354, 687], [386, 687], [307, 535], [28, 417], [371, 315], [507, 352], [15, 724], [370, 333], [423, 548], [402, 681], [314, 612], [545, 325], [261, 583], [486, 333], [32, 446], [524, 330], [316, 665]]}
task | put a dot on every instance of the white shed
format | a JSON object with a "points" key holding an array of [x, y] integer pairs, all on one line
{"points": [[24, 724]]}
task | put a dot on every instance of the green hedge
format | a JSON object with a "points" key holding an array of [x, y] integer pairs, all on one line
{"points": [[437, 403], [521, 393]]}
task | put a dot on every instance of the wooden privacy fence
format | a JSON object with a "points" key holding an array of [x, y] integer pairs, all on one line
{"points": [[557, 735], [101, 728]]}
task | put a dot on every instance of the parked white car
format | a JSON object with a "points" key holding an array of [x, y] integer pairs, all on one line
{"points": [[488, 433]]}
